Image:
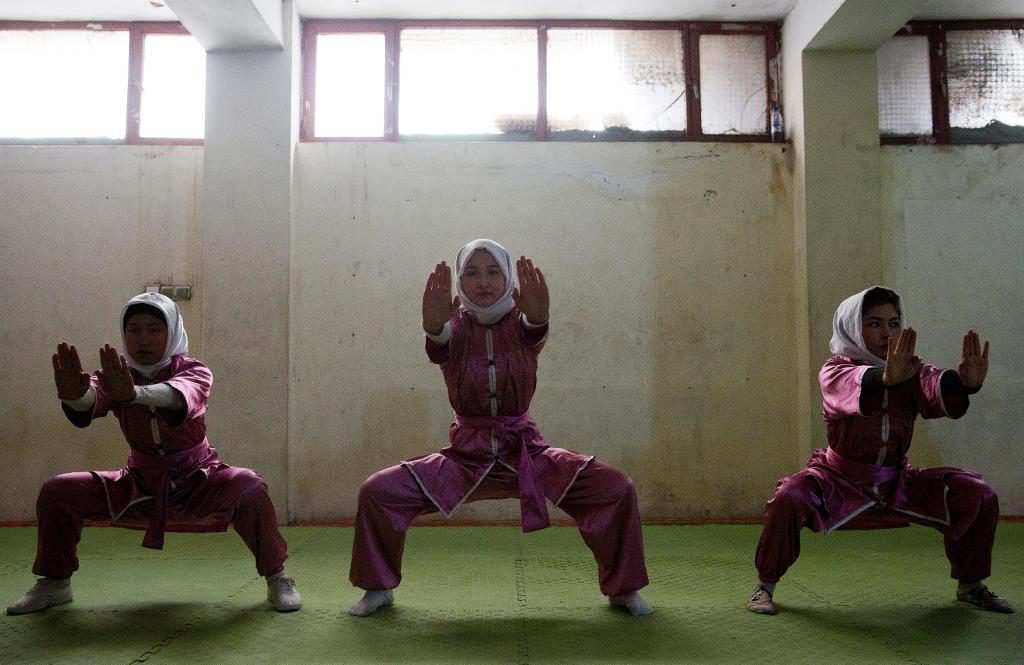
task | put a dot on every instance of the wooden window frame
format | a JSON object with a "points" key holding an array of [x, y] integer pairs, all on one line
{"points": [[936, 32], [137, 32], [690, 32]]}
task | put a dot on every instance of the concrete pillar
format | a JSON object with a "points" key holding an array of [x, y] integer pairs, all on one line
{"points": [[251, 132], [830, 88]]}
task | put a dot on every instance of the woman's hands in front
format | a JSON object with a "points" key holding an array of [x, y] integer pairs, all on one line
{"points": [[72, 383], [115, 377], [531, 297], [438, 305]]}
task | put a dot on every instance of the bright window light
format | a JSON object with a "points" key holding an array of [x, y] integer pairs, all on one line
{"points": [[614, 79], [733, 85], [66, 84], [986, 78], [173, 87], [468, 81], [904, 87], [350, 81]]}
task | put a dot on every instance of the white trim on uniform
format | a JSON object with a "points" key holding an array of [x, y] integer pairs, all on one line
{"points": [[850, 516], [423, 488], [110, 505], [945, 505], [572, 482]]}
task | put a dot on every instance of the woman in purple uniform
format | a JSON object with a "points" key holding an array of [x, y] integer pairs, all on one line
{"points": [[486, 342], [174, 479], [873, 389]]}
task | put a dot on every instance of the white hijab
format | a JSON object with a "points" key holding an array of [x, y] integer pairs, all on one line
{"points": [[177, 338], [504, 304], [848, 328]]}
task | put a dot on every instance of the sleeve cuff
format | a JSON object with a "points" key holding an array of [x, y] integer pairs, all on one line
{"points": [[160, 395], [526, 322], [443, 337], [83, 403]]}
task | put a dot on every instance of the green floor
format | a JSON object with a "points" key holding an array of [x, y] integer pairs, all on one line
{"points": [[493, 595]]}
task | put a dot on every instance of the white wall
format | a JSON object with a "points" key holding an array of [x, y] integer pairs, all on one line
{"points": [[671, 346], [82, 229], [954, 247]]}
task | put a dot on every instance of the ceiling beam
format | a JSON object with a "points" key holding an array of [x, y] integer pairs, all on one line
{"points": [[232, 25], [847, 25], [864, 24]]}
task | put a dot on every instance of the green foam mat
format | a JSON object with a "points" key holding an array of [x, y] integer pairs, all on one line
{"points": [[495, 595]]}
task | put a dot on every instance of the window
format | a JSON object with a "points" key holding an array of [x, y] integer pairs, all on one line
{"points": [[173, 102], [960, 82], [904, 87], [468, 81], [985, 75], [107, 83], [351, 97], [533, 80], [733, 92], [602, 80], [68, 83]]}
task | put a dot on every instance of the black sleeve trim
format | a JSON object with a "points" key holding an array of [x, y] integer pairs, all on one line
{"points": [[950, 384], [871, 390], [78, 418]]}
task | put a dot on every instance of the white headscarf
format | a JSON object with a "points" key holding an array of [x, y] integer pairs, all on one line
{"points": [[177, 338], [504, 304], [848, 328]]}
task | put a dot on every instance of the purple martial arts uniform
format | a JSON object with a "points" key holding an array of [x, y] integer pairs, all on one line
{"points": [[496, 451], [173, 481], [863, 481]]}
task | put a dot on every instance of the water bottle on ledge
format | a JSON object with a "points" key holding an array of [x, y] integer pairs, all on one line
{"points": [[777, 129]]}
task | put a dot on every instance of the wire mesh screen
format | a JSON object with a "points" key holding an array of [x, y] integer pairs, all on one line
{"points": [[603, 79], [904, 87], [733, 83], [986, 78]]}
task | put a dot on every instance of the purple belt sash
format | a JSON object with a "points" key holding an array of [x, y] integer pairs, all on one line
{"points": [[516, 429], [159, 471], [861, 473]]}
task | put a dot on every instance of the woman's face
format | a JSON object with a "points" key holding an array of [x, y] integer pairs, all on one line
{"points": [[145, 338], [879, 324], [482, 280]]}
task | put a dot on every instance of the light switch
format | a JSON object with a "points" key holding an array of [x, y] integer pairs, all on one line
{"points": [[172, 291]]}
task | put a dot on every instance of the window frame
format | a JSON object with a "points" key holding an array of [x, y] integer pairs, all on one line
{"points": [[690, 32], [936, 31], [137, 32]]}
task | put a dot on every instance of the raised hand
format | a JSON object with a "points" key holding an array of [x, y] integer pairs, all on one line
{"points": [[72, 382], [115, 377], [531, 297], [900, 363], [973, 361], [438, 306]]}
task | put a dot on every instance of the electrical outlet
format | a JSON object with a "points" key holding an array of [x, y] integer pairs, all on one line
{"points": [[172, 291]]}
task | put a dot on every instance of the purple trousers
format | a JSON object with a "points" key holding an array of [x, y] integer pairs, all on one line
{"points": [[972, 505], [230, 495], [602, 501]]}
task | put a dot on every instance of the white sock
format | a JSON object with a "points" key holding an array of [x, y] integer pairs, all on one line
{"points": [[633, 602], [59, 582], [767, 586], [371, 602], [967, 587]]}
